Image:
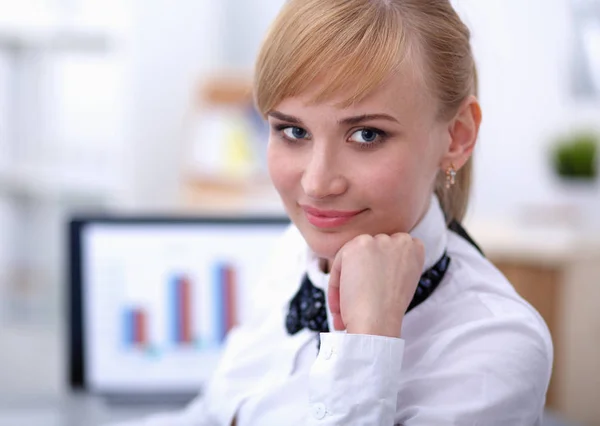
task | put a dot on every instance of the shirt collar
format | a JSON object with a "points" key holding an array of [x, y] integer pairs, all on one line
{"points": [[431, 230]]}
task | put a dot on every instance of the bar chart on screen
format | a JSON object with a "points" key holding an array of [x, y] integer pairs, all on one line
{"points": [[161, 300], [193, 314]]}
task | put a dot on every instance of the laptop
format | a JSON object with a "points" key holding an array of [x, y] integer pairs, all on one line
{"points": [[152, 299]]}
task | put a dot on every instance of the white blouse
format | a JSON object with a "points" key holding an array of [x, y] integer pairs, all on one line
{"points": [[474, 353]]}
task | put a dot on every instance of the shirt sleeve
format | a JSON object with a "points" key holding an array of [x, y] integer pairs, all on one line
{"points": [[488, 372], [354, 380]]}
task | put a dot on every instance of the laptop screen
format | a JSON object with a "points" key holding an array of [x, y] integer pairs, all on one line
{"points": [[152, 300]]}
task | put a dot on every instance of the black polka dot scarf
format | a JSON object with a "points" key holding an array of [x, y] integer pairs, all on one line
{"points": [[308, 310], [429, 281]]}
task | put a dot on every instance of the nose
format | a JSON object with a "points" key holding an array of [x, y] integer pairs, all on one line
{"points": [[322, 175]]}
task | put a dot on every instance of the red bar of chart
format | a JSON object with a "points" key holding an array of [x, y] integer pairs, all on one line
{"points": [[135, 326], [230, 296], [224, 305], [181, 310]]}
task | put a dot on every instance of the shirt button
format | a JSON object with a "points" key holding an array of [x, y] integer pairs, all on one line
{"points": [[319, 411]]}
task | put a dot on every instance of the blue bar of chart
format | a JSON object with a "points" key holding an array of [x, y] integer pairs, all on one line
{"points": [[135, 328]]}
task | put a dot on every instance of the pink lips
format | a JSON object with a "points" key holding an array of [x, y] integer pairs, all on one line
{"points": [[328, 218]]}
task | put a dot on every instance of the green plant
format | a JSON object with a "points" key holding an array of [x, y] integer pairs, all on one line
{"points": [[576, 156]]}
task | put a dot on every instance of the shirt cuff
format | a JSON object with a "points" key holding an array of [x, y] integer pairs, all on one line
{"points": [[355, 379]]}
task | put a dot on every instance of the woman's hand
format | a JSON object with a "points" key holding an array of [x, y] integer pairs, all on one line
{"points": [[372, 282]]}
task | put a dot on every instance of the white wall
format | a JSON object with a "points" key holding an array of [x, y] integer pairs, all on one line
{"points": [[247, 22], [523, 50], [173, 43], [62, 137]]}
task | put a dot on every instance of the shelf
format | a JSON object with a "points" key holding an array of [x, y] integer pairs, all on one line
{"points": [[228, 183], [226, 195]]}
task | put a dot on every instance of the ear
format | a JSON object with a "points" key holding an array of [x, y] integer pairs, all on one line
{"points": [[463, 131]]}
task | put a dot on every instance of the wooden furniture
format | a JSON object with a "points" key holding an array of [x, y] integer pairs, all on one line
{"points": [[209, 181]]}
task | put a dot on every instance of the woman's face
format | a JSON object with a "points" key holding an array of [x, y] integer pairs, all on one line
{"points": [[365, 169]]}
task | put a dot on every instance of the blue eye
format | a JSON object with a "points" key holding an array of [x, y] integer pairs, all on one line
{"points": [[295, 132], [367, 136]]}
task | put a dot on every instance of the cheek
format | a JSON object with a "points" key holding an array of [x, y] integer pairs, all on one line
{"points": [[282, 168], [399, 182], [393, 178]]}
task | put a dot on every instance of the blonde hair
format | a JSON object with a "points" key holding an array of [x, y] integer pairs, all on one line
{"points": [[351, 46]]}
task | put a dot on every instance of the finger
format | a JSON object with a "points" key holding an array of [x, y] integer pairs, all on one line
{"points": [[333, 298], [420, 249], [418, 243], [333, 292], [338, 323]]}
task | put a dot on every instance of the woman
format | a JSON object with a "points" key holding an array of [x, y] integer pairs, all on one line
{"points": [[377, 309]]}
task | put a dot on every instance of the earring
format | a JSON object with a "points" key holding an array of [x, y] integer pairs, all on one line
{"points": [[450, 176]]}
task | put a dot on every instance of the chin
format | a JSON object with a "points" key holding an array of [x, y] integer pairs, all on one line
{"points": [[324, 244]]}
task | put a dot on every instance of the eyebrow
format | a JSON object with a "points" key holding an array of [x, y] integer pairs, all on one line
{"points": [[347, 121], [284, 117], [367, 117]]}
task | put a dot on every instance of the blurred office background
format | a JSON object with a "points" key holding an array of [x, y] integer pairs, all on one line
{"points": [[142, 107]]}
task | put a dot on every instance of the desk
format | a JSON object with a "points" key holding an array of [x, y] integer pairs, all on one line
{"points": [[71, 410]]}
